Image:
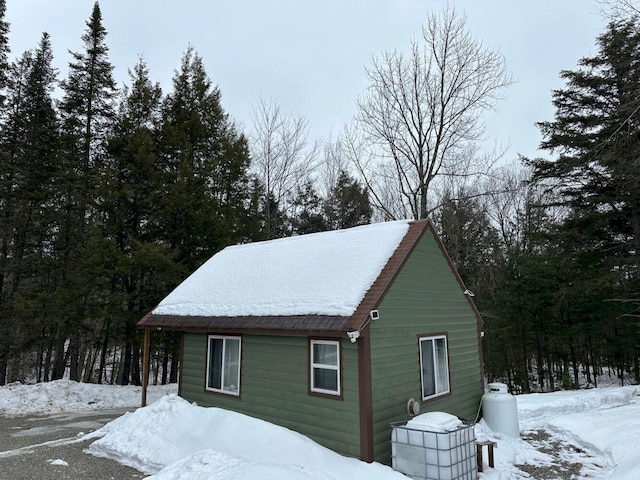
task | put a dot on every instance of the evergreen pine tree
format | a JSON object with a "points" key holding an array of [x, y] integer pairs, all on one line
{"points": [[471, 242], [348, 203], [308, 216], [4, 51], [28, 149], [596, 132], [137, 268], [265, 219], [87, 108], [205, 161], [10, 177]]}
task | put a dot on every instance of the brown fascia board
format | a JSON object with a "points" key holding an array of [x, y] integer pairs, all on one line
{"points": [[321, 325], [303, 324]]}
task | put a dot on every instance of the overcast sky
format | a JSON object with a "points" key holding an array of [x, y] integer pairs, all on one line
{"points": [[310, 55]]}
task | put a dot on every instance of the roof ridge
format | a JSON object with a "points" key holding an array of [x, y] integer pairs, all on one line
{"points": [[339, 231]]}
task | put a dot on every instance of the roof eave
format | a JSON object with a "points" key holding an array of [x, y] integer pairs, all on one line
{"points": [[274, 325]]}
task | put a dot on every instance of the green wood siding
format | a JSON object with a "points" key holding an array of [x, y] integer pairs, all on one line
{"points": [[424, 299], [274, 387]]}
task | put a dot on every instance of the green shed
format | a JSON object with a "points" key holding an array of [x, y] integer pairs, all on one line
{"points": [[334, 334]]}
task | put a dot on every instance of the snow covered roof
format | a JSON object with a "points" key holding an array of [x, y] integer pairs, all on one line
{"points": [[325, 273]]}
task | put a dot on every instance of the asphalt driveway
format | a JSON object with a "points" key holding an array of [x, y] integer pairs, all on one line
{"points": [[46, 447]]}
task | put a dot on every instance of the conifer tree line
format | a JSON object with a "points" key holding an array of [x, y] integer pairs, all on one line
{"points": [[552, 252], [111, 195]]}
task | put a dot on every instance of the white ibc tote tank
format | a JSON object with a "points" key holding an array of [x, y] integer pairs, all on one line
{"points": [[500, 410]]}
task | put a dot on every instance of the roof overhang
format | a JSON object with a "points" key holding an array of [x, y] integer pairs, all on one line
{"points": [[274, 325]]}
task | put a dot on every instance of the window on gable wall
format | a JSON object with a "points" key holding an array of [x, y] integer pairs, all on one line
{"points": [[223, 365], [434, 366], [325, 366]]}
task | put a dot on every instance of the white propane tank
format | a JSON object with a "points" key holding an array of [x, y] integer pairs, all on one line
{"points": [[500, 410]]}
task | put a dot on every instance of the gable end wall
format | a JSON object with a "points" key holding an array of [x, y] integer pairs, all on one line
{"points": [[425, 298]]}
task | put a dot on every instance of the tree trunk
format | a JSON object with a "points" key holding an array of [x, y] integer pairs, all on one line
{"points": [[175, 360], [540, 361], [126, 364], [92, 356], [526, 388], [47, 362], [59, 362], [103, 351], [165, 363], [41, 352], [74, 357], [135, 364], [3, 368]]}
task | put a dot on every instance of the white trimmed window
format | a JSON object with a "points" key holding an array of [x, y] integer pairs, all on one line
{"points": [[223, 364], [325, 367], [434, 366]]}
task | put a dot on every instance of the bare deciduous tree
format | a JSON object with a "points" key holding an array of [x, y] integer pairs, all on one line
{"points": [[619, 9], [420, 117], [334, 161], [282, 157], [508, 201], [514, 206]]}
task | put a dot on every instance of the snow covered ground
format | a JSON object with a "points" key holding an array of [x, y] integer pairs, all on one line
{"points": [[65, 395], [581, 434], [585, 434]]}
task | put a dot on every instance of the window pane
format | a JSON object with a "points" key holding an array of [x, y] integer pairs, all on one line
{"points": [[442, 381], [435, 368], [428, 373], [325, 354], [231, 364], [325, 366], [215, 363], [325, 379]]}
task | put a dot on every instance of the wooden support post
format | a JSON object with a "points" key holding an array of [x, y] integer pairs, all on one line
{"points": [[145, 366], [489, 444]]}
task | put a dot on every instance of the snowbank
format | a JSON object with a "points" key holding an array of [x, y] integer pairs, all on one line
{"points": [[65, 395], [536, 408], [598, 430], [603, 423], [218, 441], [208, 464]]}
